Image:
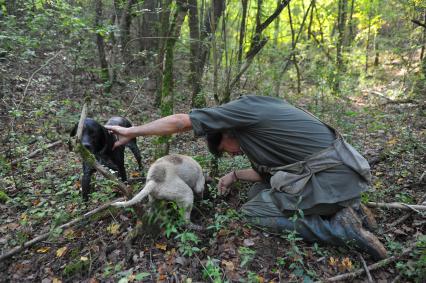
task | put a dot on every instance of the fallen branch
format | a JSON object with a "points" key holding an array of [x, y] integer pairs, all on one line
{"points": [[379, 264], [405, 217], [35, 152], [64, 226], [415, 207]]}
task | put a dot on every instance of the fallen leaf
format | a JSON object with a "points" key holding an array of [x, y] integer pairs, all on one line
{"points": [[84, 258], [161, 246], [113, 228], [24, 217], [229, 265], [60, 252], [43, 250], [333, 261], [135, 174], [392, 141], [346, 264], [69, 234], [36, 202], [56, 280]]}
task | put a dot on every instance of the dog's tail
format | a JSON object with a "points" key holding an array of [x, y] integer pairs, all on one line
{"points": [[139, 197]]}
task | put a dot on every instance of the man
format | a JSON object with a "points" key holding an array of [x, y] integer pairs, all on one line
{"points": [[300, 165]]}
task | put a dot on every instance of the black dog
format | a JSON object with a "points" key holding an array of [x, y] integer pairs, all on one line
{"points": [[99, 141]]}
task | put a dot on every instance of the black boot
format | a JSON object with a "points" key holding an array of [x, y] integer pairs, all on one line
{"points": [[342, 229]]}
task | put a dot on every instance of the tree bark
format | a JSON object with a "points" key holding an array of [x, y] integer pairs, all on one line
{"points": [[194, 46], [293, 48], [351, 24], [167, 95], [104, 74], [125, 22], [242, 31], [341, 25]]}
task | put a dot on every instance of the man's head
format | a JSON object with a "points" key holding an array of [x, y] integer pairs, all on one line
{"points": [[223, 142]]}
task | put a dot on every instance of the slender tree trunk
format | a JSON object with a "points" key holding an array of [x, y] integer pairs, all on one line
{"points": [[163, 33], [422, 51], [311, 20], [341, 25], [212, 17], [351, 24], [215, 57], [367, 43], [167, 95], [194, 33], [125, 22], [376, 50], [242, 31], [149, 29], [293, 48], [258, 41], [104, 74]]}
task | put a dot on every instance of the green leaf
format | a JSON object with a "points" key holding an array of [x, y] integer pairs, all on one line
{"points": [[141, 276]]}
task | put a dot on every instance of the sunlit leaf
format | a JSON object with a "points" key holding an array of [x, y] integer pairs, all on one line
{"points": [[161, 246], [43, 250], [61, 251], [113, 228]]}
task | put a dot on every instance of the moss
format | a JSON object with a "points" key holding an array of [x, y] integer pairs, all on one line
{"points": [[86, 155], [3, 196]]}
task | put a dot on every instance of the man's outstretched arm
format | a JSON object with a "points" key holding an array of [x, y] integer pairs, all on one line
{"points": [[161, 127]]}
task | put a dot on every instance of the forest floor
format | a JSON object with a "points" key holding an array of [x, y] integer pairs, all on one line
{"points": [[43, 193]]}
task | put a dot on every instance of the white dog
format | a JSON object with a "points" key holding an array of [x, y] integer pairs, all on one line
{"points": [[173, 177]]}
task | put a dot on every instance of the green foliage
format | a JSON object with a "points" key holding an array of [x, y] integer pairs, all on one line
{"points": [[246, 255], [415, 269], [212, 271], [3, 196], [187, 242], [75, 267]]}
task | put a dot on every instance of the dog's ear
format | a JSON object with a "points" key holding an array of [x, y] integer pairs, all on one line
{"points": [[72, 134], [74, 130]]}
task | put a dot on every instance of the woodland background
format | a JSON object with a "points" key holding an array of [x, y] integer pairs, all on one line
{"points": [[359, 65]]}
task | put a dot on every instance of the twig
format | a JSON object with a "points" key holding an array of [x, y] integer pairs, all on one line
{"points": [[415, 207], [64, 226], [34, 153], [374, 266], [35, 72], [364, 264]]}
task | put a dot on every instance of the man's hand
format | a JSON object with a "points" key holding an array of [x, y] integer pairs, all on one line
{"points": [[225, 182], [122, 133]]}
